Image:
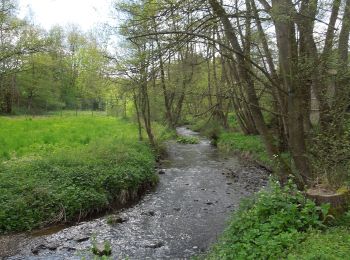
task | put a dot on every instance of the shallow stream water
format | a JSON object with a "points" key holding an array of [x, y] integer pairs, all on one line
{"points": [[199, 188]]}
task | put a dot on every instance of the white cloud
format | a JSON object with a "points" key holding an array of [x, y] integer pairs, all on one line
{"points": [[85, 13]]}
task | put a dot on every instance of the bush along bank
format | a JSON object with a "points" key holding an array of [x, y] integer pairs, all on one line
{"points": [[68, 183], [270, 225]]}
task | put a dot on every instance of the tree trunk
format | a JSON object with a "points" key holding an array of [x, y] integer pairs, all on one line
{"points": [[288, 58]]}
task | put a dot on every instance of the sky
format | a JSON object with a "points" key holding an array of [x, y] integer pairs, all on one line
{"points": [[85, 13]]}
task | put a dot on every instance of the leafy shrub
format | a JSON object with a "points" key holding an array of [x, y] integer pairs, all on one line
{"points": [[187, 140], [269, 225]]}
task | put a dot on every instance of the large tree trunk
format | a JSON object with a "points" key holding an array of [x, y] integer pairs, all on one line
{"points": [[288, 59], [342, 85]]}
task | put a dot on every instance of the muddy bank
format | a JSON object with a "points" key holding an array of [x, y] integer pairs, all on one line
{"points": [[199, 188]]}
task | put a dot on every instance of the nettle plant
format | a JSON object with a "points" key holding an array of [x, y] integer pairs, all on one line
{"points": [[270, 224]]}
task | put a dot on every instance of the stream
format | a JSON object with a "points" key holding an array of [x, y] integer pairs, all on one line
{"points": [[199, 187]]}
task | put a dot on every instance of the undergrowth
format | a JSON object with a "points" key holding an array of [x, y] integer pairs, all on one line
{"points": [[330, 244], [270, 225]]}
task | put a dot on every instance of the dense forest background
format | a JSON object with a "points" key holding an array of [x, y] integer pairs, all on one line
{"points": [[42, 71]]}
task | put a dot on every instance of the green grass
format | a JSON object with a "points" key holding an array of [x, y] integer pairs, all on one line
{"points": [[55, 169], [235, 141], [20, 135], [331, 244]]}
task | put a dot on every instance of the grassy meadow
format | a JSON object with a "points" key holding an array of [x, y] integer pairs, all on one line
{"points": [[59, 169]]}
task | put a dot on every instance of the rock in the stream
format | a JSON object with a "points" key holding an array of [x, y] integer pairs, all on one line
{"points": [[81, 238], [36, 249], [122, 219], [161, 172], [52, 246], [154, 244], [117, 220], [148, 213], [69, 249]]}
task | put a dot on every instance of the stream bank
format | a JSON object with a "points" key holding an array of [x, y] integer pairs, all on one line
{"points": [[199, 188]]}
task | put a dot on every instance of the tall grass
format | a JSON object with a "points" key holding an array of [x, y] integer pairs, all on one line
{"points": [[59, 169]]}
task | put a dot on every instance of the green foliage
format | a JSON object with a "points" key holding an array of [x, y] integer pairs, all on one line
{"points": [[270, 225], [232, 121], [331, 244], [187, 140], [329, 153], [70, 73], [59, 169], [235, 141]]}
